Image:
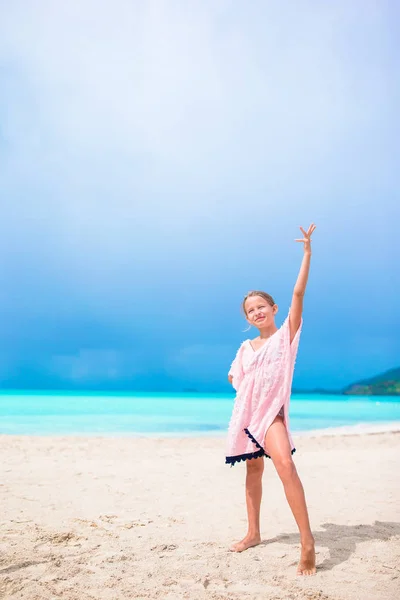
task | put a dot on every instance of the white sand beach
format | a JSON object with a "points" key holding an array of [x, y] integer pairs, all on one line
{"points": [[119, 518]]}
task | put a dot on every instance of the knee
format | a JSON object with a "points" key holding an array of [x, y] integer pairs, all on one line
{"points": [[286, 468], [255, 467]]}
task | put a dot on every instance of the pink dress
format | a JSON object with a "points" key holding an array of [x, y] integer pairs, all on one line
{"points": [[263, 380]]}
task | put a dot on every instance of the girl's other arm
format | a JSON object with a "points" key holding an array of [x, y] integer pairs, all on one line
{"points": [[296, 308]]}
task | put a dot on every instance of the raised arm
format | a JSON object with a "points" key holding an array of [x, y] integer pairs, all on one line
{"points": [[296, 308]]}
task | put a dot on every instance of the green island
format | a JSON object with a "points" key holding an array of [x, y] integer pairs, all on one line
{"points": [[386, 384]]}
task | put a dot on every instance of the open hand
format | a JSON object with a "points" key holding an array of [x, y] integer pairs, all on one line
{"points": [[307, 237]]}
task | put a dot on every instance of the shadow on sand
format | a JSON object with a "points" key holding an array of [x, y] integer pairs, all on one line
{"points": [[341, 540]]}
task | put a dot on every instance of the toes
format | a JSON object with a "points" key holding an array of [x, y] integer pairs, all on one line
{"points": [[306, 572]]}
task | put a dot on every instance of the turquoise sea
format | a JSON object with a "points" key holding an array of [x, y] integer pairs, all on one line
{"points": [[49, 413]]}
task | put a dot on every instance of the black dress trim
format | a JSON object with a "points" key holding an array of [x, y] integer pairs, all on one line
{"points": [[231, 460]]}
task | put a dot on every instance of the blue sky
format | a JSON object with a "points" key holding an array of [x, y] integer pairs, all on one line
{"points": [[156, 160]]}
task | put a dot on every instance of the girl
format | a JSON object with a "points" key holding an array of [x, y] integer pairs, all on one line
{"points": [[262, 375]]}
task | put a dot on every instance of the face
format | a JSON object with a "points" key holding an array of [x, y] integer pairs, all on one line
{"points": [[259, 312]]}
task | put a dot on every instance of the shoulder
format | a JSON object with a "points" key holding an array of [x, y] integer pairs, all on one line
{"points": [[283, 330], [286, 322], [242, 348], [293, 336], [245, 343]]}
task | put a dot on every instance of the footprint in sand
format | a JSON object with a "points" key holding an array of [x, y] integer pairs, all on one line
{"points": [[176, 521], [59, 537], [206, 544], [164, 548], [131, 524], [86, 522], [108, 518], [206, 582]]}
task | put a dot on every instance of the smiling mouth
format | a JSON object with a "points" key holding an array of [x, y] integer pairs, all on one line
{"points": [[260, 319]]}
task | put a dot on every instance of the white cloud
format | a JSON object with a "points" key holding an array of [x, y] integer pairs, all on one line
{"points": [[150, 147], [192, 86], [134, 123]]}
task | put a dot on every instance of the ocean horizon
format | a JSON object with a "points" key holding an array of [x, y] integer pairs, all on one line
{"points": [[178, 414]]}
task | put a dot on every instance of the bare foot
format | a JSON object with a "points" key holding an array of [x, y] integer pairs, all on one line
{"points": [[307, 560], [248, 542]]}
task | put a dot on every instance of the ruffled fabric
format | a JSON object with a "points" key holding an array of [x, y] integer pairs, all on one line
{"points": [[262, 380]]}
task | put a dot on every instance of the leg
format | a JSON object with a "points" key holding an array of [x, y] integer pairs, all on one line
{"points": [[255, 468], [278, 447]]}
